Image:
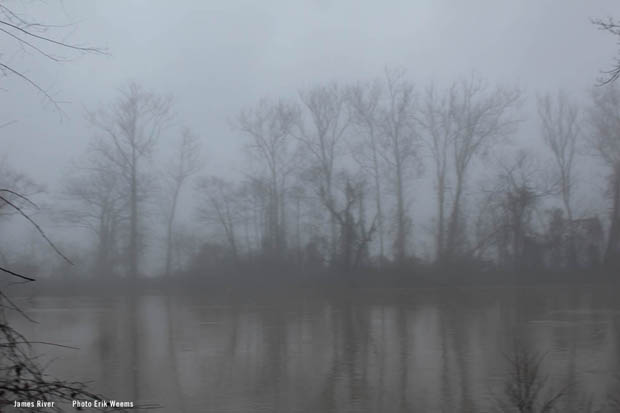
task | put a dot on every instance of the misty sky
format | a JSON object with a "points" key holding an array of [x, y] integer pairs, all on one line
{"points": [[219, 57]]}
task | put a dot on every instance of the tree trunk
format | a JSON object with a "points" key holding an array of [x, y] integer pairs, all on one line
{"points": [[441, 193], [133, 218], [572, 248], [169, 229], [377, 176], [298, 229], [611, 252], [400, 217], [453, 226], [333, 235], [380, 220]]}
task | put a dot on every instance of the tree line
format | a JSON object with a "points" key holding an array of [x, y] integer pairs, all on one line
{"points": [[331, 177]]}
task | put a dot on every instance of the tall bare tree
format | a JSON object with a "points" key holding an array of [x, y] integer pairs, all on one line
{"points": [[353, 234], [482, 118], [440, 130], [560, 127], [182, 166], [322, 136], [365, 102], [127, 133], [97, 202], [269, 127], [518, 189], [604, 116], [401, 148], [254, 202], [221, 206]]}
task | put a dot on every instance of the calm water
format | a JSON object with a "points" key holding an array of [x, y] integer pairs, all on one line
{"points": [[428, 350]]}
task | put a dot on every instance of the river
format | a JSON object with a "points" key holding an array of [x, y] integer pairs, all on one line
{"points": [[427, 350]]}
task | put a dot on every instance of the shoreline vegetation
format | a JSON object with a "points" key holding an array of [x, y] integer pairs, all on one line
{"points": [[276, 280]]}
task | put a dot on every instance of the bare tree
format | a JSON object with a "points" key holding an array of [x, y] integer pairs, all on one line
{"points": [[322, 139], [440, 130], [269, 127], [220, 206], [299, 197], [604, 116], [97, 202], [399, 128], [525, 388], [254, 201], [186, 245], [560, 126], [182, 166], [519, 187], [128, 131], [365, 102], [354, 236], [482, 118]]}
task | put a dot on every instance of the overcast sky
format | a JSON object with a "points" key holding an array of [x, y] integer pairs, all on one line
{"points": [[217, 58]]}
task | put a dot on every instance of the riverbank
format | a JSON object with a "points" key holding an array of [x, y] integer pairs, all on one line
{"points": [[317, 281]]}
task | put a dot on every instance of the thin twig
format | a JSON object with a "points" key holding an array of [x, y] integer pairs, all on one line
{"points": [[33, 84], [22, 213], [50, 40], [38, 342], [15, 307]]}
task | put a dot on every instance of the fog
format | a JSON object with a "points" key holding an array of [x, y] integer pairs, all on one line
{"points": [[377, 190]]}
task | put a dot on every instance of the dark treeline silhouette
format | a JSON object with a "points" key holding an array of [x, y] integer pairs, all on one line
{"points": [[332, 181]]}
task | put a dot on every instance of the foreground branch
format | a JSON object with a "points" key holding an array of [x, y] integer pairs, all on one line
{"points": [[612, 27]]}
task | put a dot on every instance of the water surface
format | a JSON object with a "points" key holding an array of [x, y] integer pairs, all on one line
{"points": [[427, 350]]}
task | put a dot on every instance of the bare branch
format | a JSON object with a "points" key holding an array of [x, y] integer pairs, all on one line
{"points": [[612, 27], [33, 84], [19, 196], [37, 227], [24, 32], [5, 270], [56, 42]]}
